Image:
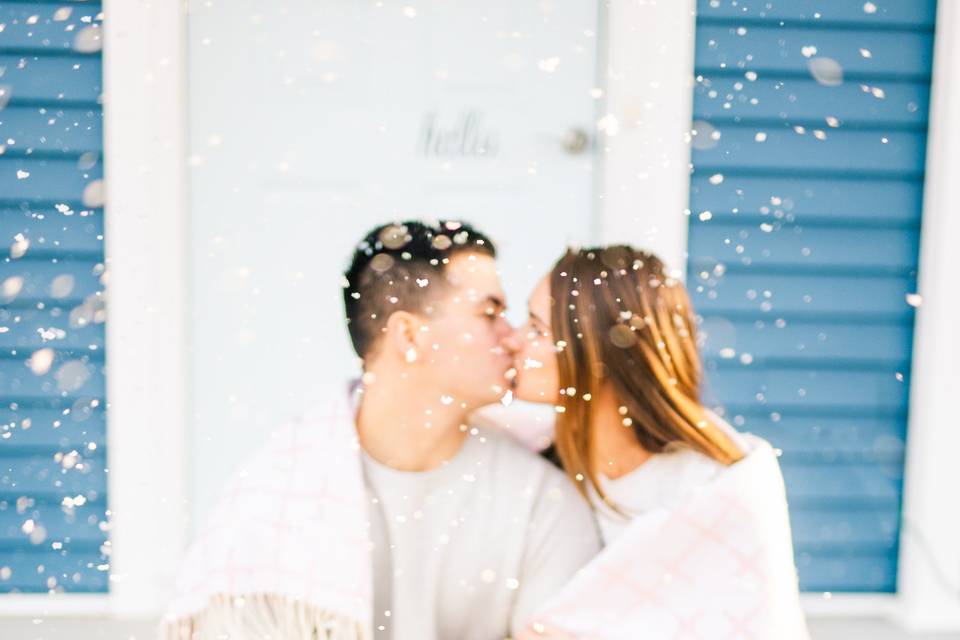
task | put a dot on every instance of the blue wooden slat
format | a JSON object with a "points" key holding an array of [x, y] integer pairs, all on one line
{"points": [[786, 150], [847, 573], [49, 180], [77, 523], [819, 484], [907, 13], [61, 354], [31, 26], [43, 476], [31, 328], [891, 455], [839, 200], [42, 278], [81, 378], [806, 294], [31, 429], [47, 130], [810, 340], [754, 410], [893, 54], [77, 233], [776, 243], [828, 440], [781, 388], [52, 80], [76, 571], [826, 527], [800, 100]]}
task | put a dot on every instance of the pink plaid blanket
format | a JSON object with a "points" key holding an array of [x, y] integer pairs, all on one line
{"points": [[285, 554], [718, 566]]}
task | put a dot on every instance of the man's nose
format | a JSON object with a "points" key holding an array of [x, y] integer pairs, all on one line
{"points": [[511, 340]]}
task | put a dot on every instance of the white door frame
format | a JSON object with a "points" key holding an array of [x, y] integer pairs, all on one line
{"points": [[643, 154]]}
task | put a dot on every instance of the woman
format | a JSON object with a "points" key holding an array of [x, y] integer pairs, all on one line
{"points": [[693, 514]]}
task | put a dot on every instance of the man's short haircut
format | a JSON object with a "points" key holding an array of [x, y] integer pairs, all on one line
{"points": [[400, 267]]}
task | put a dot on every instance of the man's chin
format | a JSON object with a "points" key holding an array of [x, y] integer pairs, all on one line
{"points": [[492, 394]]}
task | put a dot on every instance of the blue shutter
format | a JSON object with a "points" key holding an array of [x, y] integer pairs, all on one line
{"points": [[810, 120], [53, 484]]}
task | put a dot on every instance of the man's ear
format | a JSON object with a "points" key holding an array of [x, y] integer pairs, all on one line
{"points": [[403, 335]]}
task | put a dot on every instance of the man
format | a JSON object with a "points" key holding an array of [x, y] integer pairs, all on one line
{"points": [[394, 516], [470, 530]]}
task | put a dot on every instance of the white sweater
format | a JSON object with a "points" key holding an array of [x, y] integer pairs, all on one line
{"points": [[469, 549], [662, 481]]}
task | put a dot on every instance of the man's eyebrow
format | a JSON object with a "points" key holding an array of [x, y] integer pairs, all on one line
{"points": [[494, 300]]}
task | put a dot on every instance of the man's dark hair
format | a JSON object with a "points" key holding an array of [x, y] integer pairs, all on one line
{"points": [[400, 267]]}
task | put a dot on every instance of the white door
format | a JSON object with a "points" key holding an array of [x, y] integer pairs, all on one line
{"points": [[312, 121]]}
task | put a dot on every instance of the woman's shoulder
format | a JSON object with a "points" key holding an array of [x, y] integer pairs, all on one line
{"points": [[664, 480]]}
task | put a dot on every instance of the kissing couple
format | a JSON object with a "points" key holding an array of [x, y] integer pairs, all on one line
{"points": [[399, 508]]}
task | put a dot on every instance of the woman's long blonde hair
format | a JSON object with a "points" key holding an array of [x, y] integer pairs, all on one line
{"points": [[618, 318]]}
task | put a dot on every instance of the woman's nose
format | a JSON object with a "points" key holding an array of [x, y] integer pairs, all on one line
{"points": [[511, 341]]}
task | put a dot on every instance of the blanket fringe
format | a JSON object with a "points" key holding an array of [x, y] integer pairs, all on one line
{"points": [[262, 617]]}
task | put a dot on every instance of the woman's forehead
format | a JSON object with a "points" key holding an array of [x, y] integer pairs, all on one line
{"points": [[541, 291]]}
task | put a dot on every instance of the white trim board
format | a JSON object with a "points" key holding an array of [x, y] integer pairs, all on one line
{"points": [[929, 578], [146, 253], [644, 144]]}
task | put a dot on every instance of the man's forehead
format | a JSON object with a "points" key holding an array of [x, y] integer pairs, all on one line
{"points": [[475, 275]]}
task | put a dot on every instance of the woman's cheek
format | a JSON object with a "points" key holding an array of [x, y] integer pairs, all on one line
{"points": [[551, 375], [545, 363]]}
